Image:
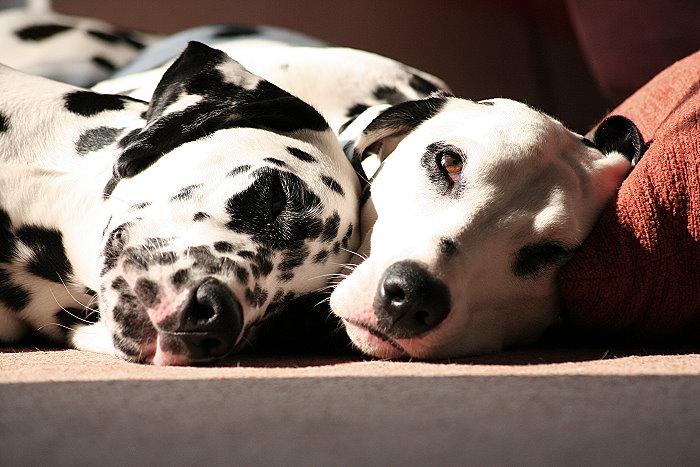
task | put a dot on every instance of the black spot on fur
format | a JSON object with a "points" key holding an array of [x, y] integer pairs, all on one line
{"points": [[346, 238], [320, 257], [332, 184], [104, 63], [4, 122], [185, 193], [200, 216], [251, 211], [139, 206], [95, 139], [88, 103], [104, 36], [301, 155], [239, 170], [356, 110], [179, 278], [223, 105], [147, 291], [40, 32], [229, 31], [330, 227], [286, 276], [389, 95], [422, 85], [486, 103], [276, 162], [256, 297], [447, 247], [223, 247], [293, 259], [128, 38], [48, 258], [7, 238], [14, 296]]}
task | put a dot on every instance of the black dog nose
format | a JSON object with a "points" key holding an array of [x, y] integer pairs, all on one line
{"points": [[209, 323], [410, 301]]}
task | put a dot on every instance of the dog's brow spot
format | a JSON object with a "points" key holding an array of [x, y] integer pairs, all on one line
{"points": [[200, 216], [301, 155], [332, 184], [447, 247], [185, 192], [275, 161], [239, 170]]}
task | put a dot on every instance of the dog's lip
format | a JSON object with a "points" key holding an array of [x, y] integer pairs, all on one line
{"points": [[373, 330]]}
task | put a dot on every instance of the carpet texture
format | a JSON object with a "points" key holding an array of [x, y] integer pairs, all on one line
{"points": [[549, 406]]}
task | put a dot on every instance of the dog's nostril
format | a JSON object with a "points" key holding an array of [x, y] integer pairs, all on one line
{"points": [[394, 293], [410, 301], [200, 313]]}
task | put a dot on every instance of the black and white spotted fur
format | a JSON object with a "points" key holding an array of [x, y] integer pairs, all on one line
{"points": [[75, 50], [184, 220]]}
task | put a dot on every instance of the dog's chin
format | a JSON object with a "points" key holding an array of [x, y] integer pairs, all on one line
{"points": [[371, 341]]}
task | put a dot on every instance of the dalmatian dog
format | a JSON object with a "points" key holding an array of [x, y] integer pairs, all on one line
{"points": [[183, 221], [75, 50], [473, 209]]}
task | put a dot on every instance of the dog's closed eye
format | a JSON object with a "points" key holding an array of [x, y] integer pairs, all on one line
{"points": [[277, 198], [530, 260]]}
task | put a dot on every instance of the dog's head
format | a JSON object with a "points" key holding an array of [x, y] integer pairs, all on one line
{"points": [[232, 200], [467, 222]]}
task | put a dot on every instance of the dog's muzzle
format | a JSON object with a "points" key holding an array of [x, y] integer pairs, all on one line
{"points": [[207, 325], [410, 301]]}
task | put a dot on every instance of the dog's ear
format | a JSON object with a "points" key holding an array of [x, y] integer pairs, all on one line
{"points": [[386, 130], [204, 91], [619, 134]]}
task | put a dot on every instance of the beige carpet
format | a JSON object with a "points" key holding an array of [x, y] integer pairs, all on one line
{"points": [[537, 407]]}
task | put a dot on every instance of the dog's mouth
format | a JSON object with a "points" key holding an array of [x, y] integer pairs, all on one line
{"points": [[374, 341]]}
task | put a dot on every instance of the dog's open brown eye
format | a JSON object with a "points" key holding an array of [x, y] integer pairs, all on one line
{"points": [[452, 164]]}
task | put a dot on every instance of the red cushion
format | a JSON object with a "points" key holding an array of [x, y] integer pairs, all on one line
{"points": [[637, 276]]}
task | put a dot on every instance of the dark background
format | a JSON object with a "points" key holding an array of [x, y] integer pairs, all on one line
{"points": [[573, 59]]}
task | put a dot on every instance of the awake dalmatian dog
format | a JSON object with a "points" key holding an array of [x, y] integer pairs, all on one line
{"points": [[184, 221], [474, 207]]}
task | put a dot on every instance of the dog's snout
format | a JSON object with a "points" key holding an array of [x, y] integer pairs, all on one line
{"points": [[210, 322], [410, 301]]}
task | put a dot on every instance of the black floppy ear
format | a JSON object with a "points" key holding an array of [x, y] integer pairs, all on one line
{"points": [[619, 134], [202, 92], [386, 130]]}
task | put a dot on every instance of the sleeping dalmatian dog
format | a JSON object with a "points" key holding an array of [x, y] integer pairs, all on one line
{"points": [[472, 210], [184, 221]]}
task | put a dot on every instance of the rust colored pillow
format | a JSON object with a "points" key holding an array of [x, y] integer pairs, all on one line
{"points": [[637, 276]]}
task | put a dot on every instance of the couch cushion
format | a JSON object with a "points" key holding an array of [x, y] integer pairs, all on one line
{"points": [[637, 276]]}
